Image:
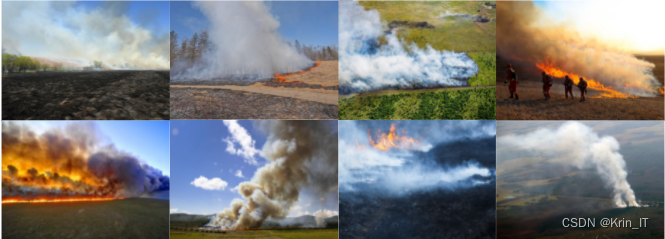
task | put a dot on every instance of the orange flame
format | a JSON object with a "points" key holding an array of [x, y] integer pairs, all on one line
{"points": [[282, 78], [607, 91], [57, 200], [385, 142]]}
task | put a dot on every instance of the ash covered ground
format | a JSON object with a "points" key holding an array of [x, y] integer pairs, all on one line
{"points": [[440, 211], [93, 95]]}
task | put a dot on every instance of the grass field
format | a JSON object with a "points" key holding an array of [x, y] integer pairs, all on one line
{"points": [[476, 103], [260, 234], [127, 218]]}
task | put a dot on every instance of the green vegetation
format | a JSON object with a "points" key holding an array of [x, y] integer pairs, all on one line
{"points": [[486, 61], [13, 63], [258, 234], [444, 104]]}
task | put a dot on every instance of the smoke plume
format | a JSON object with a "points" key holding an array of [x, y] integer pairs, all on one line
{"points": [[302, 154], [245, 45], [71, 162], [579, 146], [520, 37], [365, 65], [63, 32]]}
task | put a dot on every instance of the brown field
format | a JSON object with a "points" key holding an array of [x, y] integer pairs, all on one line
{"points": [[316, 100], [531, 105]]}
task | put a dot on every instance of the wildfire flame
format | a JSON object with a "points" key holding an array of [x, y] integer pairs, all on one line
{"points": [[57, 200], [385, 142], [606, 91], [282, 78]]}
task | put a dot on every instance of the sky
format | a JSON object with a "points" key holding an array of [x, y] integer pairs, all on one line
{"points": [[631, 25], [311, 23], [147, 140], [199, 149], [153, 15]]}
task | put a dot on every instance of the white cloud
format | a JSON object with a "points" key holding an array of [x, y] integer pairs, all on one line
{"points": [[209, 184], [297, 207], [323, 213], [243, 139], [239, 174], [235, 189], [174, 210]]}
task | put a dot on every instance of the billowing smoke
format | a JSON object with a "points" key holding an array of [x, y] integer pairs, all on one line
{"points": [[579, 146], [365, 65], [66, 33], [302, 154], [245, 45], [71, 162], [521, 37], [401, 170]]}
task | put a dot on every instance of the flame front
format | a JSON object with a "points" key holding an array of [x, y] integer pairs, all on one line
{"points": [[57, 200], [606, 91], [282, 77], [385, 142]]}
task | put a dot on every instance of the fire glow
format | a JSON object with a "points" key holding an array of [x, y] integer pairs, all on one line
{"points": [[607, 91], [385, 142], [58, 200]]}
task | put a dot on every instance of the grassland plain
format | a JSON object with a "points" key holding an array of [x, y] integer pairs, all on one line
{"points": [[475, 103], [450, 33], [127, 218], [259, 234]]}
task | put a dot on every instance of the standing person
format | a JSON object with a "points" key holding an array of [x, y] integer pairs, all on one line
{"points": [[582, 85], [568, 84], [547, 83], [512, 77]]}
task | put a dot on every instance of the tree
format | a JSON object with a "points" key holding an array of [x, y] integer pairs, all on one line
{"points": [[57, 66], [203, 44], [23, 63], [192, 47], [44, 67], [98, 64], [297, 46], [174, 46], [8, 62], [183, 49]]}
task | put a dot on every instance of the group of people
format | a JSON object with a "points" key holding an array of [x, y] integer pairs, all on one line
{"points": [[547, 84]]}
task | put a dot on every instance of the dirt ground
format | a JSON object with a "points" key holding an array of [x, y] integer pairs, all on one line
{"points": [[192, 103], [93, 95], [532, 106]]}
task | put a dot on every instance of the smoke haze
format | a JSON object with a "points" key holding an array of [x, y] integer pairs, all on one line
{"points": [[365, 66], [579, 146], [521, 36], [245, 44], [64, 32]]}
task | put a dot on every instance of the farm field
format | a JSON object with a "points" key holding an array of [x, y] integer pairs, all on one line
{"points": [[87, 95]]}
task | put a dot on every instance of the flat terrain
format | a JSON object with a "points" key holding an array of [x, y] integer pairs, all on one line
{"points": [[260, 234], [91, 95], [308, 95], [449, 103], [127, 218], [531, 105], [210, 103]]}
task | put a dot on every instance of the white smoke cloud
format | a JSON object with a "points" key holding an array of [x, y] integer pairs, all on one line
{"points": [[246, 44], [242, 138], [209, 184], [60, 31], [365, 66], [239, 174], [583, 148]]}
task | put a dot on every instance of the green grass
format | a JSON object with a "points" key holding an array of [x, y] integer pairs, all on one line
{"points": [[260, 234], [477, 103], [486, 61]]}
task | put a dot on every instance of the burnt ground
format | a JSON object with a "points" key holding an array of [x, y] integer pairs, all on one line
{"points": [[531, 105], [94, 95], [189, 103]]}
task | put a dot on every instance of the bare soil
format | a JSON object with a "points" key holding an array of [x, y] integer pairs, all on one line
{"points": [[192, 103], [90, 95], [532, 106]]}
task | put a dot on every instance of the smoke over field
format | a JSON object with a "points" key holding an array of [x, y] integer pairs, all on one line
{"points": [[244, 44], [71, 163], [410, 173], [302, 155], [559, 50], [69, 33], [366, 65]]}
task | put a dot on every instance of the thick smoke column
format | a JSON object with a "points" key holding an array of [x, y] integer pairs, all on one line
{"points": [[366, 66], [70, 162], [245, 43], [61, 32], [579, 146], [563, 48], [301, 154]]}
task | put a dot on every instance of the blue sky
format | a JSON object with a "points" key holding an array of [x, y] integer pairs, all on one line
{"points": [[311, 23], [198, 149]]}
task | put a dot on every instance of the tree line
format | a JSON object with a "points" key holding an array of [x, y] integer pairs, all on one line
{"points": [[12, 63], [193, 48]]}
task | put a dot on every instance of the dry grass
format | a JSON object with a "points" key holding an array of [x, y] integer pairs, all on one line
{"points": [[187, 103], [326, 74]]}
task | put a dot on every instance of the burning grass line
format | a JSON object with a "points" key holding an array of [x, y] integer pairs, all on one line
{"points": [[43, 200]]}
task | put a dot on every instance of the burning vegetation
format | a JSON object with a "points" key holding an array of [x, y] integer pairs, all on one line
{"points": [[70, 164]]}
